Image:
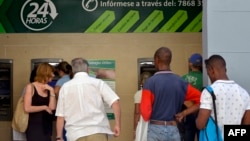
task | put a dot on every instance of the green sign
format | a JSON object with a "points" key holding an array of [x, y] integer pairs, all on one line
{"points": [[100, 16], [105, 70]]}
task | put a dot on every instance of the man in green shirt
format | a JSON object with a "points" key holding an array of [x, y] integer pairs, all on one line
{"points": [[194, 77]]}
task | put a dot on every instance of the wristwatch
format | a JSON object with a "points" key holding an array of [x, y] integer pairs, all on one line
{"points": [[58, 138]]}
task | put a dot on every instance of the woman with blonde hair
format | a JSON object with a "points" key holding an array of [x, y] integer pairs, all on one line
{"points": [[40, 102]]}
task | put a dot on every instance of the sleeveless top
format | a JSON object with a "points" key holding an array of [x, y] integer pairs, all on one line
{"points": [[42, 118]]}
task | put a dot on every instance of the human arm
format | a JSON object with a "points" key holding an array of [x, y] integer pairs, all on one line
{"points": [[192, 95], [205, 109], [246, 118], [59, 127], [146, 104], [28, 94], [117, 111], [56, 89], [52, 99], [59, 84], [60, 116], [201, 120], [112, 99]]}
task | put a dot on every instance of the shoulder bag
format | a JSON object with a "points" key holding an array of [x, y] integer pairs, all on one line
{"points": [[141, 130], [20, 118], [211, 132]]}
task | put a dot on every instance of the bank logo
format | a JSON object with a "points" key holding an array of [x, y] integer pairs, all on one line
{"points": [[89, 5], [37, 15]]}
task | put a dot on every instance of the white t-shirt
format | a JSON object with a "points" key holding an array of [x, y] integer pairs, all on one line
{"points": [[231, 102], [81, 103], [137, 96]]}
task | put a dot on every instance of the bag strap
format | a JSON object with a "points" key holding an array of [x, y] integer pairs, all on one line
{"points": [[32, 89], [211, 91]]}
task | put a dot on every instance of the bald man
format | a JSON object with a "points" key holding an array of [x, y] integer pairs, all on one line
{"points": [[232, 101], [162, 97]]}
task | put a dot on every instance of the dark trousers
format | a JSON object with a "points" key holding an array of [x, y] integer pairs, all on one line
{"points": [[188, 129]]}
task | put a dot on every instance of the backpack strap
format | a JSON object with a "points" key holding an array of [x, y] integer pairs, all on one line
{"points": [[211, 91]]}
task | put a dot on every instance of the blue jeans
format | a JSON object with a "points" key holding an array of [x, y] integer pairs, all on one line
{"points": [[163, 133]]}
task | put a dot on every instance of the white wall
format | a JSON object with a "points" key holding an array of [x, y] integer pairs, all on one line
{"points": [[226, 31]]}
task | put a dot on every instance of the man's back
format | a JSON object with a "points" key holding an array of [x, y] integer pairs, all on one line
{"points": [[82, 105], [82, 93], [169, 92], [162, 98], [231, 102]]}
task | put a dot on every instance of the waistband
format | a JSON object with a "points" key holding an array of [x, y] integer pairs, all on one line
{"points": [[165, 123]]}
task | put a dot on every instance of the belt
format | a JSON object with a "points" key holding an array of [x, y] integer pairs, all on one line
{"points": [[165, 123]]}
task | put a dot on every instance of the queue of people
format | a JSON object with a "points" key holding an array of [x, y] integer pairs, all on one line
{"points": [[175, 107]]}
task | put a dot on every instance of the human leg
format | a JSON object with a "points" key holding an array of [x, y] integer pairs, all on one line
{"points": [[163, 133], [190, 128]]}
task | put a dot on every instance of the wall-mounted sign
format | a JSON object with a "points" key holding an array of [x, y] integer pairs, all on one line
{"points": [[100, 16], [105, 70]]}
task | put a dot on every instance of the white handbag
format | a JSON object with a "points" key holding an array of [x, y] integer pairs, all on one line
{"points": [[141, 130]]}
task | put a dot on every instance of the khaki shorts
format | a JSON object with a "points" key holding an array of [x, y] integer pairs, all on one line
{"points": [[94, 137]]}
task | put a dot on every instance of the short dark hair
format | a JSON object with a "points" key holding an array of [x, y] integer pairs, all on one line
{"points": [[164, 54], [65, 67], [215, 59]]}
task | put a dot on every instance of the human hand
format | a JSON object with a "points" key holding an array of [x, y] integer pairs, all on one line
{"points": [[59, 139], [48, 110], [117, 131], [48, 87], [105, 74], [180, 116]]}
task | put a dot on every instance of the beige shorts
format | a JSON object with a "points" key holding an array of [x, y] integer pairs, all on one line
{"points": [[94, 137]]}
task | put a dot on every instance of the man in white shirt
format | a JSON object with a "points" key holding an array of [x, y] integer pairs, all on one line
{"points": [[81, 105], [232, 101]]}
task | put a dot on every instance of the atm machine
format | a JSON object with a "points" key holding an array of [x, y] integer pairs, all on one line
{"points": [[6, 89], [145, 65], [52, 61]]}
